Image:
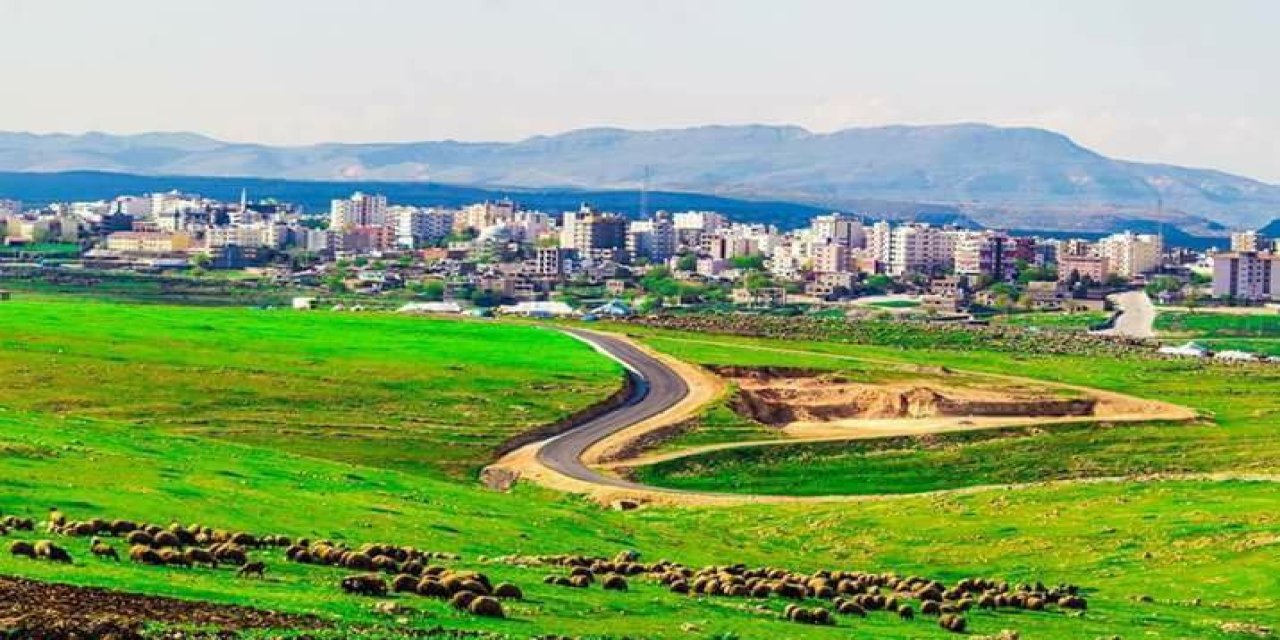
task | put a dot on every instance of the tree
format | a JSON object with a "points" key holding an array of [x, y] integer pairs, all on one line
{"points": [[432, 290], [687, 262], [753, 261], [755, 280]]}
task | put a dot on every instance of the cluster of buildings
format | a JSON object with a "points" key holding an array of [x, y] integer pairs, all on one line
{"points": [[518, 254]]}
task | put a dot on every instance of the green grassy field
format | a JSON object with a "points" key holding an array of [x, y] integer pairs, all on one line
{"points": [[92, 419], [1255, 332], [1238, 434], [1056, 320], [374, 389]]}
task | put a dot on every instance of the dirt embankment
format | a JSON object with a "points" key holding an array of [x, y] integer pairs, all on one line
{"points": [[30, 609], [780, 397]]}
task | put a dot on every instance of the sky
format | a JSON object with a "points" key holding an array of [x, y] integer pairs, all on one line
{"points": [[1186, 82]]}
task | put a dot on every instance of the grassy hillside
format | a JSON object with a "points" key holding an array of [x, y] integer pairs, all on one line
{"points": [[1238, 434], [429, 396], [106, 409], [1205, 540]]}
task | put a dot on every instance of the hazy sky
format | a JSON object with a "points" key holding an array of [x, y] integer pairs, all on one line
{"points": [[1190, 82]]}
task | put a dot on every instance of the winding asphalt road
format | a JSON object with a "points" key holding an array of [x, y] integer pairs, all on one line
{"points": [[655, 388]]}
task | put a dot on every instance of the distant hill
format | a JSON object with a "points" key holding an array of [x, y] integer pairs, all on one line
{"points": [[1023, 177]]}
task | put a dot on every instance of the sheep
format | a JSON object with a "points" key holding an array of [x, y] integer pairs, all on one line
{"points": [[22, 548], [364, 585], [51, 552], [174, 558], [256, 569], [952, 623], [143, 554], [432, 588], [138, 537], [121, 527], [56, 518], [405, 583], [357, 561], [821, 616], [486, 606], [930, 608], [614, 582], [851, 609], [680, 586], [166, 539], [103, 550], [462, 599], [508, 591], [1073, 602], [229, 553], [905, 612], [198, 556]]}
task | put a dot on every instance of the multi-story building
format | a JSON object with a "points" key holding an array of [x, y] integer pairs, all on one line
{"points": [[1131, 254], [832, 258], [920, 248], [654, 239], [1246, 275], [415, 227], [983, 253], [479, 217], [152, 242], [592, 231], [360, 210], [839, 229], [879, 240], [1248, 241], [1083, 266]]}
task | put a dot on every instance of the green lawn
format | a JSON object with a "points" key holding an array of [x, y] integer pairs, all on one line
{"points": [[1056, 320], [423, 395], [1264, 324], [106, 409]]}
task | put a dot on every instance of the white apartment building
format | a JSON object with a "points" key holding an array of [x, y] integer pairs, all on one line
{"points": [[1247, 275], [654, 238], [920, 248], [699, 220], [1247, 241], [360, 210], [1130, 254], [838, 229], [417, 227], [273, 236]]}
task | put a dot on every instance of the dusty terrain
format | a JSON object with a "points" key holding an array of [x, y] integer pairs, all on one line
{"points": [[780, 397], [31, 609]]}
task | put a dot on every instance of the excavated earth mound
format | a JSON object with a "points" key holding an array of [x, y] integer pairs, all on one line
{"points": [[779, 397]]}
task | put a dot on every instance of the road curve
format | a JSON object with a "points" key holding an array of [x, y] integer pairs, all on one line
{"points": [[655, 388]]}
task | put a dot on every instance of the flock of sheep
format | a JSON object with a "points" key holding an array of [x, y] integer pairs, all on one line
{"points": [[849, 593], [386, 568]]}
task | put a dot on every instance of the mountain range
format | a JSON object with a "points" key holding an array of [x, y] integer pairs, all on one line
{"points": [[1005, 177]]}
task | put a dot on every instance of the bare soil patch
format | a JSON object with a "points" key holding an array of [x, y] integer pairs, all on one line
{"points": [[30, 609], [781, 397]]}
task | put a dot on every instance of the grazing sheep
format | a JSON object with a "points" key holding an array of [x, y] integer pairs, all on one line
{"points": [[257, 569], [432, 588], [101, 549], [486, 606], [174, 558], [143, 554], [365, 585], [166, 539], [122, 527], [22, 548], [952, 623], [1073, 602], [357, 561], [905, 612], [614, 582], [508, 591], [818, 615], [51, 552], [197, 556], [56, 518], [462, 599], [138, 537], [229, 553], [680, 586], [851, 609], [930, 608], [404, 583]]}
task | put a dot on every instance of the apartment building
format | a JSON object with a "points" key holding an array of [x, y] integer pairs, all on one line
{"points": [[360, 210], [1247, 275]]}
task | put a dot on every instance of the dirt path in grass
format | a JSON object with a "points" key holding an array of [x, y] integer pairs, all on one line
{"points": [[617, 451]]}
